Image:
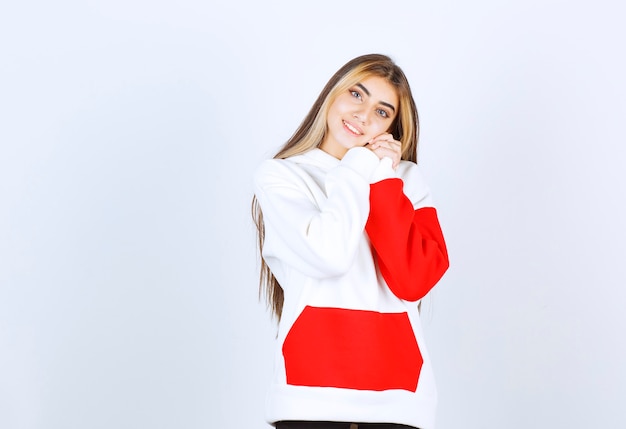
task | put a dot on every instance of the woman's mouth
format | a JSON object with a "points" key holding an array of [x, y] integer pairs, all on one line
{"points": [[354, 130]]}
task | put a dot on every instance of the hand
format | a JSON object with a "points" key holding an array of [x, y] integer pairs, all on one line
{"points": [[384, 145]]}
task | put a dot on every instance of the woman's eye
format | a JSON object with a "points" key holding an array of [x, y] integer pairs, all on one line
{"points": [[355, 94], [383, 113]]}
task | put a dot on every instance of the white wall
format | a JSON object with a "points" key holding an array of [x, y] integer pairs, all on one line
{"points": [[128, 134]]}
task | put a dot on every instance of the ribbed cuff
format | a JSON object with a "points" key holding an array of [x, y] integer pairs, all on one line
{"points": [[362, 160], [383, 171]]}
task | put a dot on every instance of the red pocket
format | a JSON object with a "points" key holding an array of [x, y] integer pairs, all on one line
{"points": [[352, 349]]}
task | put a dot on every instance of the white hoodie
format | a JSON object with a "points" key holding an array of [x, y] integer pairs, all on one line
{"points": [[353, 244]]}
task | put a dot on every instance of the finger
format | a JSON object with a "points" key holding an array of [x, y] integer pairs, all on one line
{"points": [[385, 139], [392, 153], [386, 152], [394, 146], [382, 137], [391, 144]]}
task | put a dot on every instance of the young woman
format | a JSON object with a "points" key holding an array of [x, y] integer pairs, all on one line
{"points": [[350, 244]]}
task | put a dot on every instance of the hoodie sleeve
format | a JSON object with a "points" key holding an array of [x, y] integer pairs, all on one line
{"points": [[318, 241], [406, 236]]}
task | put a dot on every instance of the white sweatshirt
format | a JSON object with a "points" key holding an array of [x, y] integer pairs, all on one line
{"points": [[354, 244]]}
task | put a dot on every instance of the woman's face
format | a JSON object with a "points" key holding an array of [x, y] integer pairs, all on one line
{"points": [[366, 110]]}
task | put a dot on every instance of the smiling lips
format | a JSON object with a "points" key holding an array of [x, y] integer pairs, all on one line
{"points": [[354, 130]]}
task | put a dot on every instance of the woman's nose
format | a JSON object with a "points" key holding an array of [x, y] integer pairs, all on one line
{"points": [[361, 116]]}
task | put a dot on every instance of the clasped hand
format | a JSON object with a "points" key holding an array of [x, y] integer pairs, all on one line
{"points": [[385, 145]]}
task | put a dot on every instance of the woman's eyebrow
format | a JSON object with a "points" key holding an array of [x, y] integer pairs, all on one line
{"points": [[388, 105], [365, 90]]}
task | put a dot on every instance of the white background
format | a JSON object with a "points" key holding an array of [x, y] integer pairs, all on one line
{"points": [[129, 131]]}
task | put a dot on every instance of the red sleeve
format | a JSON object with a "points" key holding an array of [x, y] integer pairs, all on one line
{"points": [[408, 244]]}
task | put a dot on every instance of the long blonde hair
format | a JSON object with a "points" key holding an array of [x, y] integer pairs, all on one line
{"points": [[311, 132]]}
